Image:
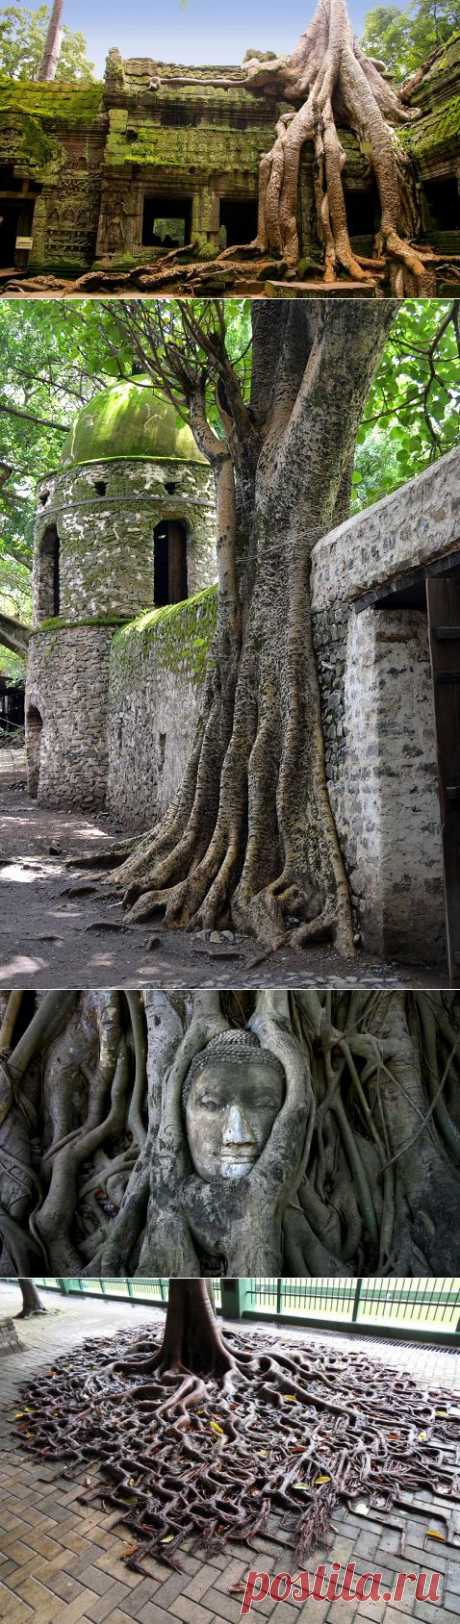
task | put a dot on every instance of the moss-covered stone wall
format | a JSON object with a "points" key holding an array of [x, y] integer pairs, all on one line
{"points": [[94, 154], [52, 136], [157, 667], [378, 709]]}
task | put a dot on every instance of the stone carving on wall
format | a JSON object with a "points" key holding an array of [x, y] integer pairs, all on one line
{"points": [[302, 1133], [117, 229], [118, 207], [231, 1096]]}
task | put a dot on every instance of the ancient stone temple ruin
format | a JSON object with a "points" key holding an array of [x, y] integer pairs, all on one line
{"points": [[157, 156], [125, 606], [126, 523]]}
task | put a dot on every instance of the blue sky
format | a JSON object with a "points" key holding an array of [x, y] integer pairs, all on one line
{"points": [[195, 30]]}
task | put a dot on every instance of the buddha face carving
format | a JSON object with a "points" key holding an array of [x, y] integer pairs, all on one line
{"points": [[233, 1092]]}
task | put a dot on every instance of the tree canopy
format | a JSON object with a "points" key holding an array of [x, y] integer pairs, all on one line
{"points": [[22, 38], [405, 37]]}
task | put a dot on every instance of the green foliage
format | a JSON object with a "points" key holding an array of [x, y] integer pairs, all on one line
{"points": [[11, 665], [404, 38], [412, 414], [22, 38], [57, 355]]}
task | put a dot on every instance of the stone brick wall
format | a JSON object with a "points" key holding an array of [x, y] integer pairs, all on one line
{"points": [[378, 720], [52, 135], [67, 213], [417, 524], [105, 514], [156, 676], [66, 715], [378, 713]]}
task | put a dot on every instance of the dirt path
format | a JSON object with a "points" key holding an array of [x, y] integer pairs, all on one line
{"points": [[62, 929]]}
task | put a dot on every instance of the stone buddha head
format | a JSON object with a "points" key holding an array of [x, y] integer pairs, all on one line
{"points": [[232, 1093]]}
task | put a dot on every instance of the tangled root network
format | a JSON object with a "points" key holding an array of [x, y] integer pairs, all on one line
{"points": [[286, 1429]]}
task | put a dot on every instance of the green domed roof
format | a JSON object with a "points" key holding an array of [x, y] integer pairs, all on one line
{"points": [[129, 420]]}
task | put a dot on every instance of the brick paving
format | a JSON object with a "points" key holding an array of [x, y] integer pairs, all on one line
{"points": [[62, 1560]]}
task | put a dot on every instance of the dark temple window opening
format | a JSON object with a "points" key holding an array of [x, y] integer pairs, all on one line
{"points": [[169, 563]]}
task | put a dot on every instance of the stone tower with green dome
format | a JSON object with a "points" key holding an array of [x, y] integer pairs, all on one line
{"points": [[125, 524]]}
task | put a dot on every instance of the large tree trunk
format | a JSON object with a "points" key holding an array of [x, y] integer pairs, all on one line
{"points": [[31, 1303], [192, 1339], [53, 42], [250, 838], [330, 85]]}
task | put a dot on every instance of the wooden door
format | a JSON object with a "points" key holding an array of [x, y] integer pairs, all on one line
{"points": [[443, 604]]}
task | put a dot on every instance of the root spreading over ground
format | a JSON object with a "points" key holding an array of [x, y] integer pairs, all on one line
{"points": [[258, 1426]]}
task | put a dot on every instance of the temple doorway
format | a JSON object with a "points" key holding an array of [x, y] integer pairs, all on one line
{"points": [[167, 222], [16, 215], [237, 220]]}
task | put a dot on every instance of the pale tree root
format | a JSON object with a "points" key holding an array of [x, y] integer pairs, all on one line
{"points": [[331, 82], [102, 856], [239, 859]]}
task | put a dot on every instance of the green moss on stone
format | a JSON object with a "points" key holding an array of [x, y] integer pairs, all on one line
{"points": [[25, 143], [445, 65], [435, 129], [180, 633], [129, 421], [69, 105], [35, 119], [188, 148], [56, 623]]}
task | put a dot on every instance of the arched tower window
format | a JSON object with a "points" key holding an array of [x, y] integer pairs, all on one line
{"points": [[49, 588], [169, 563]]}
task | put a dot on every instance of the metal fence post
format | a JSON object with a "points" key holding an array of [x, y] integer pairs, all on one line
{"points": [[231, 1299], [357, 1300]]}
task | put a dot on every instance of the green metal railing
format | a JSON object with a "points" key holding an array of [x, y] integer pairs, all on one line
{"points": [[140, 1291], [430, 1306], [418, 1309]]}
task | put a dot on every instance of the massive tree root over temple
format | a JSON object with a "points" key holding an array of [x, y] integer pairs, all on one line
{"points": [[356, 1158], [331, 83], [205, 1437]]}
